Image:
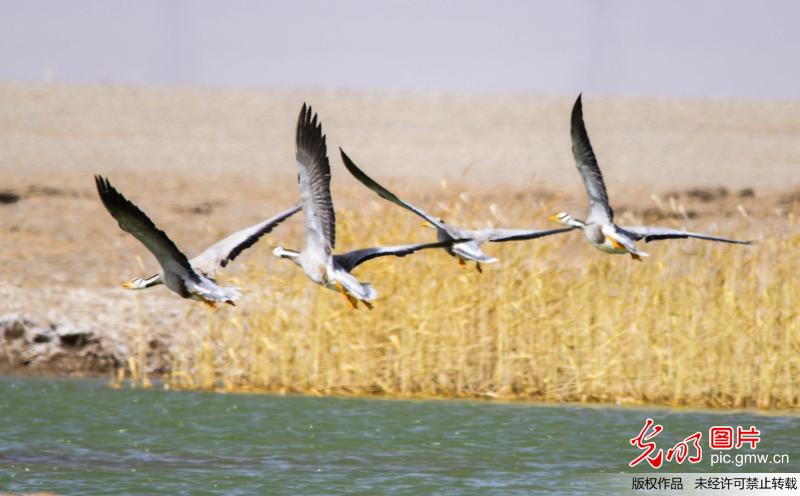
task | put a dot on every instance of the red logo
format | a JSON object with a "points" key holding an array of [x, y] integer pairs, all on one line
{"points": [[751, 436], [648, 447], [680, 452], [720, 437]]}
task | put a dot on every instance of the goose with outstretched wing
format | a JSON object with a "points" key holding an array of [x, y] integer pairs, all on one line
{"points": [[189, 278], [599, 227], [470, 249], [316, 258]]}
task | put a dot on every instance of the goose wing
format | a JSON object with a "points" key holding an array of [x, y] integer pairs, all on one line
{"points": [[386, 194], [599, 209], [657, 233], [134, 221], [349, 261], [223, 252], [502, 235], [315, 183]]}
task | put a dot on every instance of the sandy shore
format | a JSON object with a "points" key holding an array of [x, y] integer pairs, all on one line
{"points": [[203, 162]]}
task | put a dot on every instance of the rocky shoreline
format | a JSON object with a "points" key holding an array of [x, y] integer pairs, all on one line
{"points": [[28, 345]]}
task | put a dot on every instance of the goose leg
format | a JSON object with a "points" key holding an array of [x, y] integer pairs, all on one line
{"points": [[478, 267], [462, 263], [367, 304], [616, 244], [351, 302], [636, 257]]}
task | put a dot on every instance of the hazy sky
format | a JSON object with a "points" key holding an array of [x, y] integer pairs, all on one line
{"points": [[623, 47]]}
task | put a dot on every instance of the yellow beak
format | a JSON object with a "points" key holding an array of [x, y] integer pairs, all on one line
{"points": [[427, 224], [554, 218], [127, 284]]}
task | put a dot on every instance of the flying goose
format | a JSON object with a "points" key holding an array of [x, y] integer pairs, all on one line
{"points": [[599, 227], [189, 278], [466, 250], [316, 258]]}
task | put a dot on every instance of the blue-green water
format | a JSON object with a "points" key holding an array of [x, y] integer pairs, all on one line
{"points": [[80, 437]]}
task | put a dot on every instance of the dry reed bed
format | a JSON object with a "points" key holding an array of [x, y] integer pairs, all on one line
{"points": [[698, 324]]}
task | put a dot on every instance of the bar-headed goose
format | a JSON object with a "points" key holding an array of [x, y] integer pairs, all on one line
{"points": [[465, 250], [316, 258], [599, 227], [189, 278]]}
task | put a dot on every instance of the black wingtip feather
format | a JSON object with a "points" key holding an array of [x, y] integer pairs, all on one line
{"points": [[362, 176], [237, 250], [310, 138], [108, 194], [346, 159], [101, 183], [577, 111], [365, 179], [111, 198]]}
